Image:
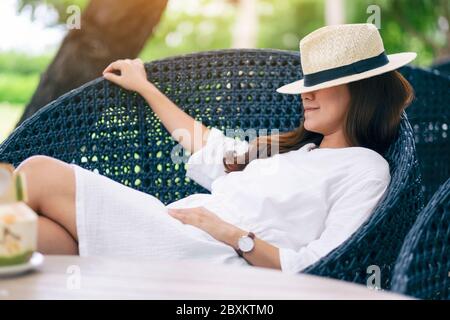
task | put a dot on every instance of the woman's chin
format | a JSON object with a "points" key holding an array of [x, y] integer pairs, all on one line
{"points": [[309, 126]]}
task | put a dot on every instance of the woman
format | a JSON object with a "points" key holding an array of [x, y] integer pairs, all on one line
{"points": [[313, 189]]}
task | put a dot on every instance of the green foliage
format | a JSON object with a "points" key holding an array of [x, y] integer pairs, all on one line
{"points": [[19, 75], [22, 63], [194, 32], [17, 88], [9, 115], [407, 25], [286, 22]]}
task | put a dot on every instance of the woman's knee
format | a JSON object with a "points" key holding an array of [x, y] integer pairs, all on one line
{"points": [[51, 189], [33, 168], [46, 177], [35, 163], [39, 170], [41, 165]]}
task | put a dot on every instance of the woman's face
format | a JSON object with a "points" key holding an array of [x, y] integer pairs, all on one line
{"points": [[328, 108]]}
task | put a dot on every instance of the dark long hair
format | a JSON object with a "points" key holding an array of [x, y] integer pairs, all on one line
{"points": [[372, 121]]}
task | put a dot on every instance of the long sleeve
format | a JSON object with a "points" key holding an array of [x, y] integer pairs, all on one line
{"points": [[346, 214], [206, 165]]}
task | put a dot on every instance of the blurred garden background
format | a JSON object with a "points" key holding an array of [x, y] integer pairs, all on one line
{"points": [[41, 57]]}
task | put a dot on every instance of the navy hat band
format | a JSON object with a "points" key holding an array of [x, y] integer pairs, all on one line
{"points": [[313, 79]]}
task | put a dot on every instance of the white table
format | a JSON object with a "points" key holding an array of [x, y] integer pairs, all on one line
{"points": [[72, 277]]}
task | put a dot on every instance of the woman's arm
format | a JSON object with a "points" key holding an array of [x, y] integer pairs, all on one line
{"points": [[263, 253], [191, 134]]}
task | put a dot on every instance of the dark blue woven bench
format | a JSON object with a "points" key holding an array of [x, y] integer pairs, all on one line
{"points": [[429, 116], [423, 266], [109, 130]]}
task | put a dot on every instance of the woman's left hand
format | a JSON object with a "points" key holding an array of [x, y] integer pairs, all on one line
{"points": [[204, 219]]}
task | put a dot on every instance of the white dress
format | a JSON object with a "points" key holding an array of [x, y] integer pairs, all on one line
{"points": [[305, 202]]}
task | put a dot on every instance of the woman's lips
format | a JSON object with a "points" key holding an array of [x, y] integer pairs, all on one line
{"points": [[310, 109]]}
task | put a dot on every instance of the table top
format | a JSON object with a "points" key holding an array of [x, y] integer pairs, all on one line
{"points": [[73, 277]]}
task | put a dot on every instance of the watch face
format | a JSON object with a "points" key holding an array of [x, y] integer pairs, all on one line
{"points": [[246, 244]]}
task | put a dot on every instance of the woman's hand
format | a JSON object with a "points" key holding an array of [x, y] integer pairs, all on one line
{"points": [[204, 219], [263, 255], [132, 74]]}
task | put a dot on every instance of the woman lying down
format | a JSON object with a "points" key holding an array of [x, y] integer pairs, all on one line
{"points": [[284, 208]]}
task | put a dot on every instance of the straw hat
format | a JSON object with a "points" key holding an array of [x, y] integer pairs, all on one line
{"points": [[339, 54]]}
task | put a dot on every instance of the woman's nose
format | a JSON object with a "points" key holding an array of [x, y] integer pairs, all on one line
{"points": [[308, 96]]}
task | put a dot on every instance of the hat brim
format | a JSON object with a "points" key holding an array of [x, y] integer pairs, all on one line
{"points": [[396, 61]]}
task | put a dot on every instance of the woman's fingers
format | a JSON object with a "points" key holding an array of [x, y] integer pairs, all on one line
{"points": [[109, 68], [116, 65], [132, 74], [178, 214], [112, 77], [119, 64], [108, 72], [194, 216]]}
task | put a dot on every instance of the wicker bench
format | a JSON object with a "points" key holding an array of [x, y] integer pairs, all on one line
{"points": [[423, 266]]}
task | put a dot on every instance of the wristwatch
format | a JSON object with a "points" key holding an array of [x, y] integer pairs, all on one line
{"points": [[246, 243]]}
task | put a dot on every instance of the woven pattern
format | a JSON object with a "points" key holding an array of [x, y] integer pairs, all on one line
{"points": [[429, 116], [109, 130], [423, 266], [349, 43]]}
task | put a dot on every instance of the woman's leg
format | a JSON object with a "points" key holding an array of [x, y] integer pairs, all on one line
{"points": [[51, 194], [54, 239]]}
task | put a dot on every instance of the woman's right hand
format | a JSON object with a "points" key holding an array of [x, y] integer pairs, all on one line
{"points": [[132, 74]]}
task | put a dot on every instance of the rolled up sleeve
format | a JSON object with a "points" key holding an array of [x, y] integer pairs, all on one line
{"points": [[346, 215], [206, 165]]}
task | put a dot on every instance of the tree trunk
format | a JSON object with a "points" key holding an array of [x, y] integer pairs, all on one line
{"points": [[110, 30]]}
